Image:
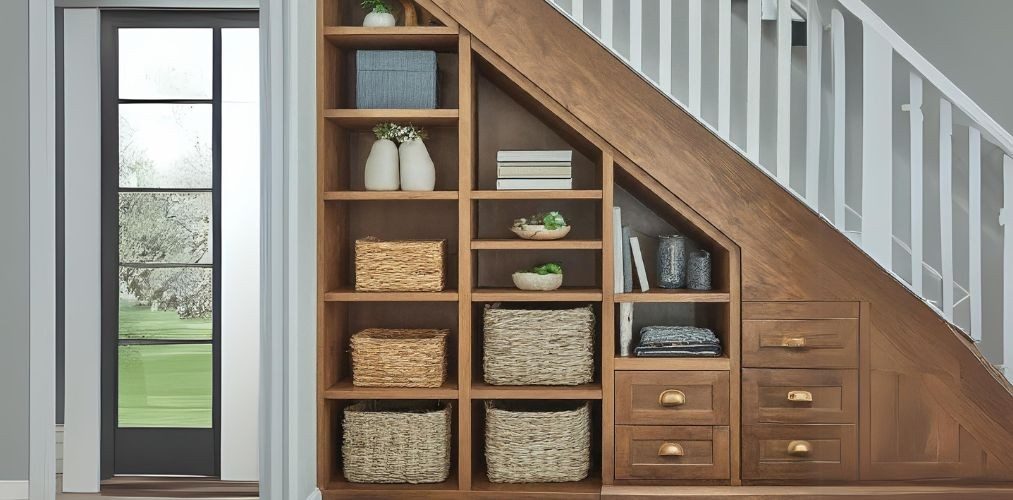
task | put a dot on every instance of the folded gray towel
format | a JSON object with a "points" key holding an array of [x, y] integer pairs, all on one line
{"points": [[677, 341]]}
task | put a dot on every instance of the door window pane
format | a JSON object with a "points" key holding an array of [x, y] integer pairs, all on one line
{"points": [[165, 145], [165, 303], [166, 227], [165, 386], [165, 63]]}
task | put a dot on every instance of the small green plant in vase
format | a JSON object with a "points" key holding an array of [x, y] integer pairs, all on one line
{"points": [[378, 14], [541, 226], [545, 277]]}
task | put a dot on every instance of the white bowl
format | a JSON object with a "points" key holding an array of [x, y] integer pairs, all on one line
{"points": [[538, 232], [535, 281]]}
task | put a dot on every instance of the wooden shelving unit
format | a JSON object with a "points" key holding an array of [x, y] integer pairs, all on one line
{"points": [[461, 211]]}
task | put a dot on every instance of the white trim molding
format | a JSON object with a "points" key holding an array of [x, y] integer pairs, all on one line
{"points": [[13, 490], [315, 495]]}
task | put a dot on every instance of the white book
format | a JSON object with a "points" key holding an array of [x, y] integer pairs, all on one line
{"points": [[503, 171], [533, 164], [617, 253], [509, 184], [536, 155], [638, 262]]}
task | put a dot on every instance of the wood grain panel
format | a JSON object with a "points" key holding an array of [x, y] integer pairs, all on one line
{"points": [[799, 310], [705, 448], [638, 393], [765, 396], [828, 343], [833, 454]]}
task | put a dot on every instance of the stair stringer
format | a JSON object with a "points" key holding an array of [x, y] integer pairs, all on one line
{"points": [[788, 252]]}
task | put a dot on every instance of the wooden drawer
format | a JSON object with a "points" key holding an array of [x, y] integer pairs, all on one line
{"points": [[800, 334], [799, 396], [672, 398], [800, 452], [671, 452]]}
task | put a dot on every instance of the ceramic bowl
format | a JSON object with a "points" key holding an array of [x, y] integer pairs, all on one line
{"points": [[535, 281], [538, 232]]}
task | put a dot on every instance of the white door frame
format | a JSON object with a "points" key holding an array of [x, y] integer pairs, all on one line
{"points": [[274, 220]]}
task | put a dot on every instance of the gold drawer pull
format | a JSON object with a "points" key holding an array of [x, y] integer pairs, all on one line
{"points": [[793, 342], [800, 396], [671, 450], [672, 397], [799, 448]]}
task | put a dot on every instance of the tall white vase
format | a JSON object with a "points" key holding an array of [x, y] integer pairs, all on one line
{"points": [[382, 167], [378, 19], [417, 170]]}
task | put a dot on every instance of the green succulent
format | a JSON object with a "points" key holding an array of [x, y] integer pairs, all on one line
{"points": [[378, 6], [551, 220], [547, 268]]}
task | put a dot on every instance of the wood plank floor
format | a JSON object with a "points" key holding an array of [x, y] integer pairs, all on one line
{"points": [[151, 488]]}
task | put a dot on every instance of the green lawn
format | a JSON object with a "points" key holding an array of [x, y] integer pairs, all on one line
{"points": [[163, 385]]}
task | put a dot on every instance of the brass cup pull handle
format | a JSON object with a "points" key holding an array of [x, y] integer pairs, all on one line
{"points": [[793, 342], [799, 448], [671, 450], [672, 397], [800, 396]]}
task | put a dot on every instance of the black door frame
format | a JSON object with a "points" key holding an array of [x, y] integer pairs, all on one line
{"points": [[170, 446]]}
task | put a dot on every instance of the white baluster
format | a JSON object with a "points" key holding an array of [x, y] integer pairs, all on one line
{"points": [[837, 34], [695, 47], [946, 202], [974, 228], [814, 102], [782, 167], [1005, 221], [916, 119], [577, 11], [877, 147], [724, 68], [636, 34], [754, 43], [607, 16], [665, 47]]}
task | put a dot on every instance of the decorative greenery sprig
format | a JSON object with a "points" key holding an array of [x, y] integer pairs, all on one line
{"points": [[551, 220], [378, 6], [399, 133], [547, 268]]}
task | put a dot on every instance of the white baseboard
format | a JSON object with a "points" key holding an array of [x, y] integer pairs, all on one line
{"points": [[313, 496], [15, 490]]}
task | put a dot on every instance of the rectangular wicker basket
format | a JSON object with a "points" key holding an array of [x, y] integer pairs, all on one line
{"points": [[543, 442], [399, 357], [538, 346], [400, 266], [396, 442]]}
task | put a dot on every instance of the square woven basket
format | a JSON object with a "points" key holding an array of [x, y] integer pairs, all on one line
{"points": [[399, 357], [543, 442], [396, 442], [538, 346], [400, 266]]}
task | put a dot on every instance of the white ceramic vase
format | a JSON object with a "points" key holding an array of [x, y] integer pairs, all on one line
{"points": [[417, 170], [379, 20], [382, 167]]}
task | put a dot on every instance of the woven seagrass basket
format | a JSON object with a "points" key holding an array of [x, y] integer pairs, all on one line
{"points": [[543, 442], [400, 266], [399, 357], [396, 442], [538, 346]]}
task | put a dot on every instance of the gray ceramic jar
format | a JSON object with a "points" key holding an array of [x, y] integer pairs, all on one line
{"points": [[672, 261]]}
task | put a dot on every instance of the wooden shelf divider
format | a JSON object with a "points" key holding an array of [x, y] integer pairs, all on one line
{"points": [[367, 118], [672, 364], [663, 295], [518, 244], [515, 295], [538, 194], [397, 37], [481, 390], [389, 195], [354, 296], [345, 390]]}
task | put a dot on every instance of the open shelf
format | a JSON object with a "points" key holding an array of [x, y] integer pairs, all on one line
{"points": [[481, 390], [397, 37], [340, 488], [518, 244], [388, 195], [350, 295], [515, 295], [367, 118], [663, 295], [672, 364], [538, 194], [345, 390], [589, 487]]}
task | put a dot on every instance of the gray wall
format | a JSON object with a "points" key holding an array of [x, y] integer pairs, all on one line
{"points": [[14, 264], [968, 40]]}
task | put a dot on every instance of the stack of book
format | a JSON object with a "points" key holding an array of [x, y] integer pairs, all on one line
{"points": [[534, 170]]}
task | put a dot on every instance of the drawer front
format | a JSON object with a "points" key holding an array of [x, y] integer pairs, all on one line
{"points": [[671, 452], [672, 398], [799, 396], [800, 452], [800, 343]]}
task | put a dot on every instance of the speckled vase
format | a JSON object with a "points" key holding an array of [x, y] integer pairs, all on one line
{"points": [[698, 270], [672, 261]]}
